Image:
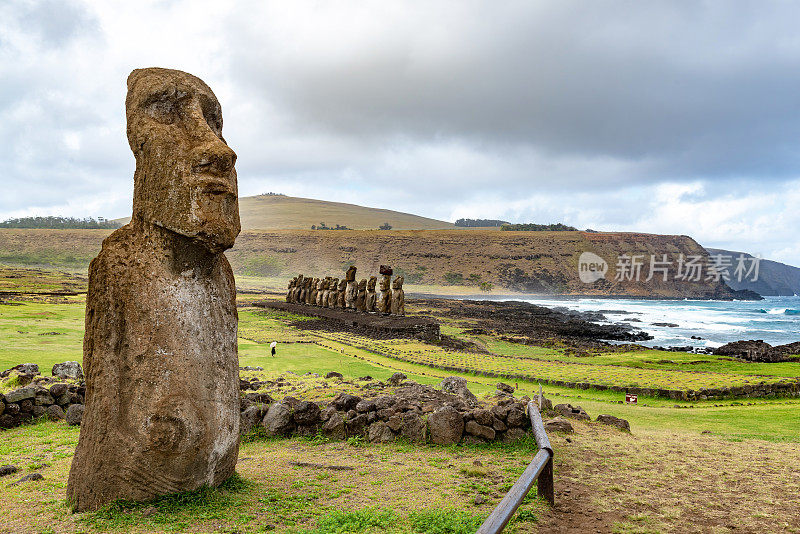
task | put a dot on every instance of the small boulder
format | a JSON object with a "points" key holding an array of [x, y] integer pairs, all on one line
{"points": [[43, 398], [75, 414], [575, 412], [334, 426], [396, 379], [68, 370], [8, 470], [380, 432], [58, 389], [622, 424], [455, 385], [478, 430], [558, 424], [38, 411], [345, 402], [395, 422], [248, 419], [505, 389], [356, 426], [516, 417], [278, 421], [366, 405], [334, 374], [483, 417], [307, 413], [413, 427], [21, 394], [446, 426], [55, 412]]}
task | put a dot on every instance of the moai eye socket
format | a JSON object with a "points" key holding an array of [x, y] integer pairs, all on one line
{"points": [[165, 106], [212, 115]]}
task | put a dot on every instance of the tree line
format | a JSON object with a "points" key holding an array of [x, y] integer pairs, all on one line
{"points": [[89, 223]]}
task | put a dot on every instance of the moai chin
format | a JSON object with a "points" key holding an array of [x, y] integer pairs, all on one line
{"points": [[361, 296], [370, 305], [160, 355], [398, 297], [385, 302], [351, 289]]}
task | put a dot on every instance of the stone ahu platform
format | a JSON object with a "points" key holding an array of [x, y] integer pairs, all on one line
{"points": [[369, 324]]}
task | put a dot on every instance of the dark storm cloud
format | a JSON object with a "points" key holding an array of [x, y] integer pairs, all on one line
{"points": [[696, 89]]}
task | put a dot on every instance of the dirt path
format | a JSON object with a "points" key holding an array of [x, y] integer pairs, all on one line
{"points": [[653, 481]]}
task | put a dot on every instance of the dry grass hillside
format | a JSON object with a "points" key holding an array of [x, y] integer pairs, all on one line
{"points": [[530, 262], [280, 212]]}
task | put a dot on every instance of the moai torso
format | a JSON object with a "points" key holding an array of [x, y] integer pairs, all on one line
{"points": [[371, 302], [361, 296], [398, 297], [385, 302], [160, 355]]}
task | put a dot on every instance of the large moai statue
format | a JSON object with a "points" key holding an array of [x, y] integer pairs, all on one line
{"points": [[342, 291], [351, 289], [312, 294], [398, 296], [385, 302], [372, 299], [333, 296], [298, 291], [309, 286], [320, 291], [159, 350], [290, 290], [361, 296]]}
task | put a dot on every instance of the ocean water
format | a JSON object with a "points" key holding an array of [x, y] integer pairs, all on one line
{"points": [[776, 320]]}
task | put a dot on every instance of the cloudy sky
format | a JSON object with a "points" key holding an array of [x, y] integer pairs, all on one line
{"points": [[673, 117]]}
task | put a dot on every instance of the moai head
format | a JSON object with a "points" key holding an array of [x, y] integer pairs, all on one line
{"points": [[320, 284], [362, 285], [398, 282], [342, 285], [300, 280], [334, 285], [351, 274], [185, 180], [386, 280], [291, 283], [371, 284]]}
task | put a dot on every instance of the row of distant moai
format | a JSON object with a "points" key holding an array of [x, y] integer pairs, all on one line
{"points": [[332, 292]]}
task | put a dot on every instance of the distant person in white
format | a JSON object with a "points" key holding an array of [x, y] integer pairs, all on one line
{"points": [[272, 346]]}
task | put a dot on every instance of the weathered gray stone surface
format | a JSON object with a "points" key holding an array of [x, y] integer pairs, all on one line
{"points": [[68, 370]]}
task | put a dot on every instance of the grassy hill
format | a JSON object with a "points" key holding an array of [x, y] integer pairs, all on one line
{"points": [[280, 212]]}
